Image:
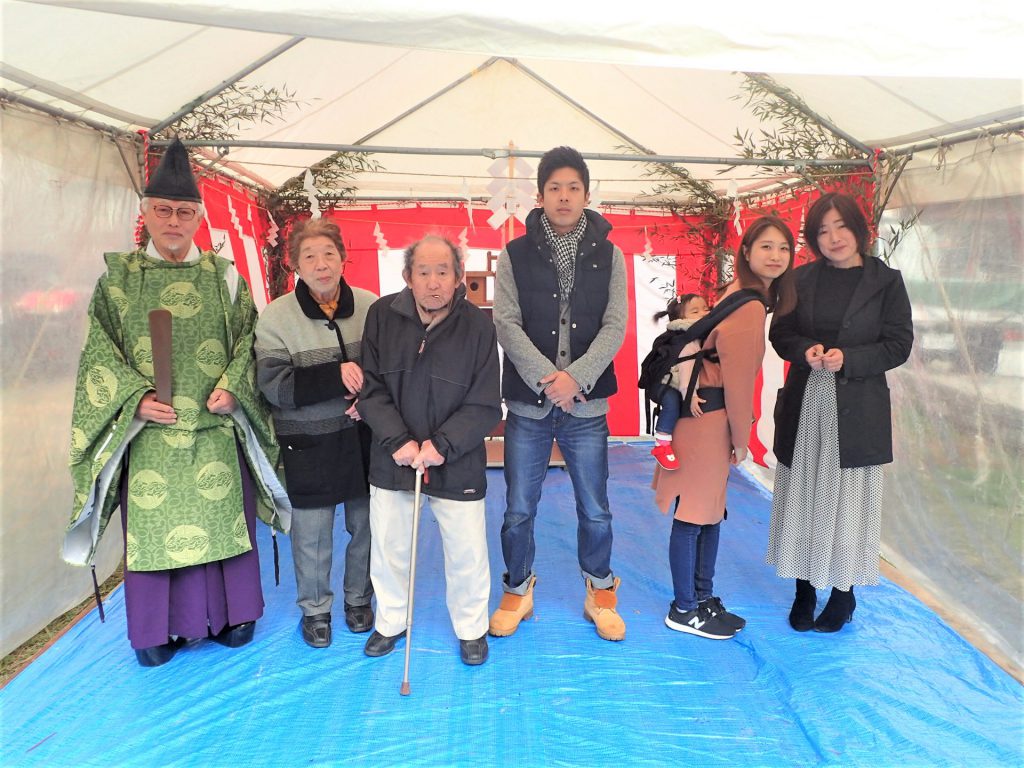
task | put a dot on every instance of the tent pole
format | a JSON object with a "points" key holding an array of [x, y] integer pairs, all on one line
{"points": [[433, 97], [225, 84], [69, 95], [38, 106], [526, 71], [575, 104], [510, 222], [531, 153], [980, 133]]}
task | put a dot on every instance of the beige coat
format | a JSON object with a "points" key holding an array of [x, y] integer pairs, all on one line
{"points": [[703, 445]]}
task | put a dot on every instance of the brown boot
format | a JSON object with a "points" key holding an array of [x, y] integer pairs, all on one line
{"points": [[599, 608], [513, 609]]}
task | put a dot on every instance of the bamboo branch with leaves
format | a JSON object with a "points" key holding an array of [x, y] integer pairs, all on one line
{"points": [[801, 135], [225, 114]]}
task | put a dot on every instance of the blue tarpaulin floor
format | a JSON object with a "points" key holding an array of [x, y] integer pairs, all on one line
{"points": [[897, 687]]}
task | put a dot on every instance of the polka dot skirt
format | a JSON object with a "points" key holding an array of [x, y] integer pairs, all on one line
{"points": [[826, 520]]}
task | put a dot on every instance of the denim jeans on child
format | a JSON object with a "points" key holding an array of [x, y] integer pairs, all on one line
{"points": [[671, 408], [584, 444], [692, 551]]}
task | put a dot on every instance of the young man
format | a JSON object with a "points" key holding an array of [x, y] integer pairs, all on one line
{"points": [[560, 313], [430, 395]]}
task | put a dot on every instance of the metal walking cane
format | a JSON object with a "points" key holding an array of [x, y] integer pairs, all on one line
{"points": [[417, 500]]}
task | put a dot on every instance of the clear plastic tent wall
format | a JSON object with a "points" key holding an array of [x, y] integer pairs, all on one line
{"points": [[66, 199], [955, 493]]}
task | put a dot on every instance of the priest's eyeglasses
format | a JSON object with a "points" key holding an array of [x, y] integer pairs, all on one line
{"points": [[165, 211]]}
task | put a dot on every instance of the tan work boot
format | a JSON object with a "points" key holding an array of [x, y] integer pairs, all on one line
{"points": [[599, 608], [513, 609]]}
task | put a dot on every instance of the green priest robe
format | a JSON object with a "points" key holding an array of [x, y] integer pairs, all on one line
{"points": [[184, 485]]}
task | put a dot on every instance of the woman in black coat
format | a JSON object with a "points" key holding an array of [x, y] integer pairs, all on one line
{"points": [[833, 428]]}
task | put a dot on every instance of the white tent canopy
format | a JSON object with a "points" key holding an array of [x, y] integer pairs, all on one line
{"points": [[646, 77]]}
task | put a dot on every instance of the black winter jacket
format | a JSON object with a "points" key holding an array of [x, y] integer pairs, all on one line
{"points": [[876, 335], [440, 385]]}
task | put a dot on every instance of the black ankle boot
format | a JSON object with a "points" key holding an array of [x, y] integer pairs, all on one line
{"points": [[801, 616], [838, 611]]}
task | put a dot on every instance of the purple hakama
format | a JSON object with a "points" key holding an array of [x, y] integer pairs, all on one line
{"points": [[197, 600]]}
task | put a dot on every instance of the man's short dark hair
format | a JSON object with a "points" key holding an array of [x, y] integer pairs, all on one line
{"points": [[562, 157]]}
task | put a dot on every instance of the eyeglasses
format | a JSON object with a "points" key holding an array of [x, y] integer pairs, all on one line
{"points": [[165, 211]]}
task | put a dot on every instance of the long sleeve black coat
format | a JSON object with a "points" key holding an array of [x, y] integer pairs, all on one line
{"points": [[876, 335], [439, 385]]}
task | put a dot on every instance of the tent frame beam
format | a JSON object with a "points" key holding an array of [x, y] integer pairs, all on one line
{"points": [[980, 133], [528, 73], [70, 96], [433, 97], [576, 105], [71, 117], [476, 200], [223, 145], [993, 122]]}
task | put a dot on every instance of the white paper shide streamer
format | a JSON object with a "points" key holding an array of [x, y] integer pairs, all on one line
{"points": [[311, 194]]}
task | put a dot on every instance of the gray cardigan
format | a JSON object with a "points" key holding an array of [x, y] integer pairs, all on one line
{"points": [[298, 364], [532, 365], [298, 357]]}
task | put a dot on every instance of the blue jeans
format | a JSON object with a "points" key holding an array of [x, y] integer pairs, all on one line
{"points": [[584, 444], [692, 552], [671, 407]]}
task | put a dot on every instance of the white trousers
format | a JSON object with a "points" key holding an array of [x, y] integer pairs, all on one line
{"points": [[466, 568]]}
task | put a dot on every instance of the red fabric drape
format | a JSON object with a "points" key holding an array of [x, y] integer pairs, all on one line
{"points": [[238, 212]]}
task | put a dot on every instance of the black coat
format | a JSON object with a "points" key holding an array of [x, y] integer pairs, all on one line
{"points": [[876, 335], [441, 386]]}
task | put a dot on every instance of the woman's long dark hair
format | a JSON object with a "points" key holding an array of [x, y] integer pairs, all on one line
{"points": [[781, 294]]}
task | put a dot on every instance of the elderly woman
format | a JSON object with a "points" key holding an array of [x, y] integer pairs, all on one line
{"points": [[308, 366]]}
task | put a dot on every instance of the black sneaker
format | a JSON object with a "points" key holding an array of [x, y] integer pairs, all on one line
{"points": [[381, 645], [473, 652], [700, 621], [358, 618], [729, 619], [316, 630]]}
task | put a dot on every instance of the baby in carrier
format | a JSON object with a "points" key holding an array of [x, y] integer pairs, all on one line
{"points": [[682, 312]]}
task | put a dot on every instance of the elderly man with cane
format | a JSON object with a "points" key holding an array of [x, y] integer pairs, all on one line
{"points": [[430, 395]]}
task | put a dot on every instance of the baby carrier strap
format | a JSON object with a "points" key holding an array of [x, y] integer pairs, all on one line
{"points": [[656, 367]]}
